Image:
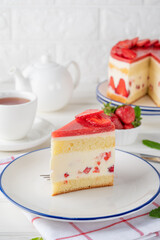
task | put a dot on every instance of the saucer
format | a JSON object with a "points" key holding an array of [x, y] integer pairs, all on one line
{"points": [[40, 132]]}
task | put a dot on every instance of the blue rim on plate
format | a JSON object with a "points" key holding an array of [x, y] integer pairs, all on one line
{"points": [[79, 219], [107, 100], [143, 112]]}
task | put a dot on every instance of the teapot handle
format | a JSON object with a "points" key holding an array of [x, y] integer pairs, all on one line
{"points": [[77, 73]]}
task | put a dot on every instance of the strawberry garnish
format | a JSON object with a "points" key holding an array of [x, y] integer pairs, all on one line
{"points": [[134, 41], [111, 83], [128, 126], [141, 43], [125, 44], [126, 114], [87, 170], [98, 121], [107, 155], [121, 88], [89, 113], [113, 50], [66, 175], [111, 169], [116, 121], [96, 170], [157, 44], [118, 51], [151, 43], [129, 54], [119, 124]]}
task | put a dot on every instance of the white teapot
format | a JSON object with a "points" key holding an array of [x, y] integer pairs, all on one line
{"points": [[52, 83]]}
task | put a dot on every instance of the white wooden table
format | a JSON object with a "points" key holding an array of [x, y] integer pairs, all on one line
{"points": [[13, 224]]}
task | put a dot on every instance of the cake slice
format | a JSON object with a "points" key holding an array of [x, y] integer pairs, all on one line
{"points": [[82, 153], [133, 71]]}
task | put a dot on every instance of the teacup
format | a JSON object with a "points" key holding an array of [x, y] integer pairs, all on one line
{"points": [[17, 113]]}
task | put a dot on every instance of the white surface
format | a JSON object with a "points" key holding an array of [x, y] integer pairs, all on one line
{"points": [[139, 186], [85, 33], [39, 133]]}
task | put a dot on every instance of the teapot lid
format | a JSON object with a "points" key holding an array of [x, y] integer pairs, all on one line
{"points": [[45, 61]]}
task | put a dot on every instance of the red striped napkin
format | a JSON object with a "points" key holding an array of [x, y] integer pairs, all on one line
{"points": [[134, 226]]}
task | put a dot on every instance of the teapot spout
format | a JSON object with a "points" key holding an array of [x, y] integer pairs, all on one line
{"points": [[21, 83]]}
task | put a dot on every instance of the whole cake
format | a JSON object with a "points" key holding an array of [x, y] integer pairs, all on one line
{"points": [[134, 70], [82, 153]]}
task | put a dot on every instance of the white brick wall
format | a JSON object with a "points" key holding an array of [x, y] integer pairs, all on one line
{"points": [[81, 30]]}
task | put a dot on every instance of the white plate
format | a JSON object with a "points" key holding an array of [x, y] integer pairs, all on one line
{"points": [[136, 184], [146, 104], [40, 132]]}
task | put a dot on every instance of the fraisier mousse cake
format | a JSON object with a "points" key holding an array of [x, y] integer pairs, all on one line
{"points": [[83, 153], [134, 70]]}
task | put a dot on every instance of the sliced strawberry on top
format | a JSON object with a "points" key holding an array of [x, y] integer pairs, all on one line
{"points": [[141, 43], [89, 113], [121, 88], [113, 50], [151, 43], [157, 44], [125, 44], [126, 114], [98, 121], [134, 41], [118, 51], [111, 83], [129, 54]]}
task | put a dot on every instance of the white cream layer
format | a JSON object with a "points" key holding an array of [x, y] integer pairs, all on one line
{"points": [[75, 163]]}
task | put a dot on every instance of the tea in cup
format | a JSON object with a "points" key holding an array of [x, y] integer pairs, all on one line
{"points": [[17, 114]]}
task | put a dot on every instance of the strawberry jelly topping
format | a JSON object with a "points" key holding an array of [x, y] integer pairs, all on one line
{"points": [[82, 127], [89, 113], [134, 50]]}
